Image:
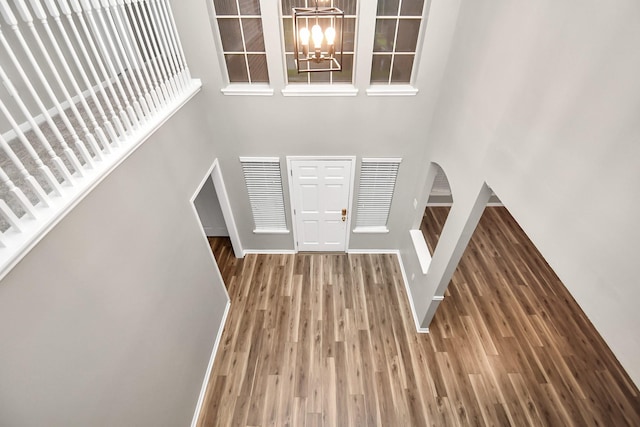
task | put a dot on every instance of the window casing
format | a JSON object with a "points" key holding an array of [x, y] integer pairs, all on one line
{"points": [[396, 39], [349, 7], [240, 27]]}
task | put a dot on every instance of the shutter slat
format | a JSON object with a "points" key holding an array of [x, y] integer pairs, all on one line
{"points": [[377, 185], [264, 185]]}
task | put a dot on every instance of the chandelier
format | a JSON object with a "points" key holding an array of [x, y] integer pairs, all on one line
{"points": [[317, 38]]}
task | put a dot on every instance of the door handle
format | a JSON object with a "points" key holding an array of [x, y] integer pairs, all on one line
{"points": [[344, 215]]}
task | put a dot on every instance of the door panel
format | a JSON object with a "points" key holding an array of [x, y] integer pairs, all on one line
{"points": [[320, 192]]}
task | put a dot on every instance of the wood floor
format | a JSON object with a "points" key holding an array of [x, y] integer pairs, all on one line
{"points": [[328, 340]]}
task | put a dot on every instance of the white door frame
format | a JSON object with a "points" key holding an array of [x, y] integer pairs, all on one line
{"points": [[292, 199], [221, 192]]}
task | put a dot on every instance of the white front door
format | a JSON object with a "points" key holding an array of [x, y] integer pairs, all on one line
{"points": [[320, 198]]}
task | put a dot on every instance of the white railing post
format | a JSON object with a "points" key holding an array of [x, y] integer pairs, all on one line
{"points": [[44, 169], [143, 56], [166, 44], [54, 157], [131, 46], [111, 11], [13, 23], [28, 19], [173, 30], [8, 214], [22, 200], [130, 118], [41, 15], [29, 179], [110, 34], [120, 120], [53, 11], [166, 84]]}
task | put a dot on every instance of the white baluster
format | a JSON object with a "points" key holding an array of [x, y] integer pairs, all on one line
{"points": [[173, 30], [135, 64], [22, 200], [105, 81], [162, 48], [166, 44], [136, 39], [13, 23], [22, 170], [130, 119], [110, 33], [53, 11], [13, 220], [54, 157], [143, 14], [110, 11], [40, 14], [143, 56]]}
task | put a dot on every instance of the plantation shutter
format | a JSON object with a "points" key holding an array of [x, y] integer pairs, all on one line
{"points": [[264, 185], [377, 183]]}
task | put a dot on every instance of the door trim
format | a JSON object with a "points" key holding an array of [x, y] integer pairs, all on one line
{"points": [[352, 159], [225, 205]]}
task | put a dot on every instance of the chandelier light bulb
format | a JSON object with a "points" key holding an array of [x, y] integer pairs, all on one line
{"points": [[317, 36], [330, 34], [304, 36]]}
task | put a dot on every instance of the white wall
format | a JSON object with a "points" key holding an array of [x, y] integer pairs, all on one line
{"points": [[540, 100]]}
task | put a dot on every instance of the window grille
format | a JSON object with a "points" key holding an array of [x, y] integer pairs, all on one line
{"points": [[240, 25], [396, 39]]}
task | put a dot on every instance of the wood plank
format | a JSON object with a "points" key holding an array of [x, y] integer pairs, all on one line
{"points": [[329, 339]]}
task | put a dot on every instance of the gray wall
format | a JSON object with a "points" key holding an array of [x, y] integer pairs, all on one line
{"points": [[540, 100]]}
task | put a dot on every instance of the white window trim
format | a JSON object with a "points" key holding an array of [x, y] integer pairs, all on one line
{"points": [[316, 89], [246, 89], [391, 90]]}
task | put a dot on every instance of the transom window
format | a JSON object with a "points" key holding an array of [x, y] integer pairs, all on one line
{"points": [[396, 38], [349, 7], [240, 25]]}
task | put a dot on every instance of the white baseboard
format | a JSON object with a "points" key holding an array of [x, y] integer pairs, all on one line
{"points": [[419, 329], [268, 252], [372, 251], [205, 382]]}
